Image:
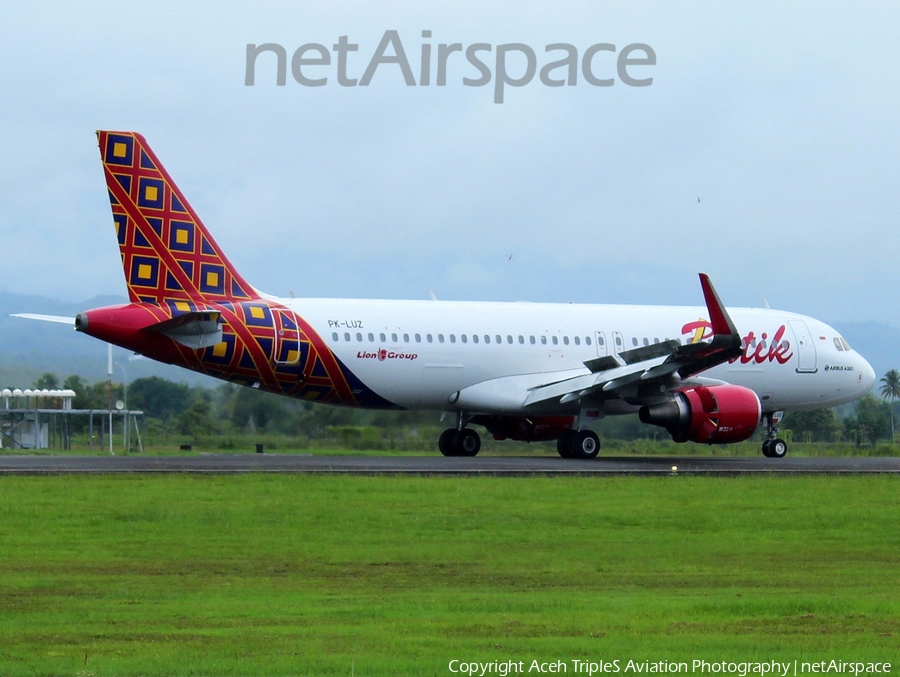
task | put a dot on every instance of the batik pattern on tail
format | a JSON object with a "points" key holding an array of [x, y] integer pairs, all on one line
{"points": [[167, 253], [173, 266]]}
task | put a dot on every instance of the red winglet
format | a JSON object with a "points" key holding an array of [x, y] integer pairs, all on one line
{"points": [[718, 316]]}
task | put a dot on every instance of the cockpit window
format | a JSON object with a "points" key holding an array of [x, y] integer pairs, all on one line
{"points": [[837, 343], [846, 345]]}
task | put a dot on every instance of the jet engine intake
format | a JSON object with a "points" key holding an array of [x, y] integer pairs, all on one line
{"points": [[707, 414]]}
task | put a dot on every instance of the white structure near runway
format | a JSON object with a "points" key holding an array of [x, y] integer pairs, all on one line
{"points": [[39, 419]]}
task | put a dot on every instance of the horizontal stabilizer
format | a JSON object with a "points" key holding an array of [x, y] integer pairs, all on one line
{"points": [[60, 319], [199, 329]]}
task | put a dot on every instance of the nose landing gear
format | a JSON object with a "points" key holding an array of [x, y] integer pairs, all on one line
{"points": [[773, 446]]}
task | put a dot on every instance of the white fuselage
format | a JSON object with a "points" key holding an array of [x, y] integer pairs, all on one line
{"points": [[418, 354]]}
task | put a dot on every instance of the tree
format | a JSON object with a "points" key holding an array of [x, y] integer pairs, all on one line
{"points": [[158, 397], [49, 381], [891, 389], [820, 424], [871, 420], [197, 419], [81, 399], [253, 409]]}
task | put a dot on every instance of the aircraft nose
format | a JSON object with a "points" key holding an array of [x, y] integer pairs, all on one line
{"points": [[866, 375]]}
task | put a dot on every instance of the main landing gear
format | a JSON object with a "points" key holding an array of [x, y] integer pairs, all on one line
{"points": [[773, 447], [582, 444], [465, 442]]}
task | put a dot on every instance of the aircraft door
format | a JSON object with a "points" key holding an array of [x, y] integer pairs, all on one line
{"points": [[287, 337], [806, 349], [602, 348]]}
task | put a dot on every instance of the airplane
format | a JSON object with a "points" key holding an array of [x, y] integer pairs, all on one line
{"points": [[523, 371]]}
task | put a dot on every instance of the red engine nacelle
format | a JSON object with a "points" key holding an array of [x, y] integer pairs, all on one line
{"points": [[531, 429], [710, 415]]}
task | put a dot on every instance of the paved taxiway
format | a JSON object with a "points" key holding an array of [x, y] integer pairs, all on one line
{"points": [[438, 465]]}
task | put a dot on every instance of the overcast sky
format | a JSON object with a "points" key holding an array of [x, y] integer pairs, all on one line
{"points": [[783, 120]]}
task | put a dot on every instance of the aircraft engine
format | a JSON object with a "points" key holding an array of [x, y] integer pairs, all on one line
{"points": [[522, 429], [709, 415]]}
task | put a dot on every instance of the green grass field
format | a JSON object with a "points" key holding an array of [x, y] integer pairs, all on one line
{"points": [[296, 575]]}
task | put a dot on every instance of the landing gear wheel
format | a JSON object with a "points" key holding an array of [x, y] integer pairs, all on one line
{"points": [[585, 444], [466, 442], [564, 443], [777, 448], [445, 442]]}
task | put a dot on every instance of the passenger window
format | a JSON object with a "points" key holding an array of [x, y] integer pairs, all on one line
{"points": [[347, 336], [566, 340], [656, 340], [394, 338], [577, 341], [464, 339], [418, 338], [619, 341], [487, 338], [334, 336], [428, 337], [371, 337], [531, 340], [521, 340], [452, 338], [406, 338], [587, 340], [543, 340], [509, 339], [634, 341], [499, 338], [440, 338], [555, 340], [383, 337], [474, 338], [646, 341], [359, 337]]}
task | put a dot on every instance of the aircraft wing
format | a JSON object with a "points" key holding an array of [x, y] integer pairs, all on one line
{"points": [[660, 364]]}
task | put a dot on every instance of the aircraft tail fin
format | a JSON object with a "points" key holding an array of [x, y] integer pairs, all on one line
{"points": [[167, 252]]}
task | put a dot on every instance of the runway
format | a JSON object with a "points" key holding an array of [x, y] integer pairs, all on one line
{"points": [[439, 465]]}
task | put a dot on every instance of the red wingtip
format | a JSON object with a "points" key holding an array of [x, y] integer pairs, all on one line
{"points": [[718, 316]]}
